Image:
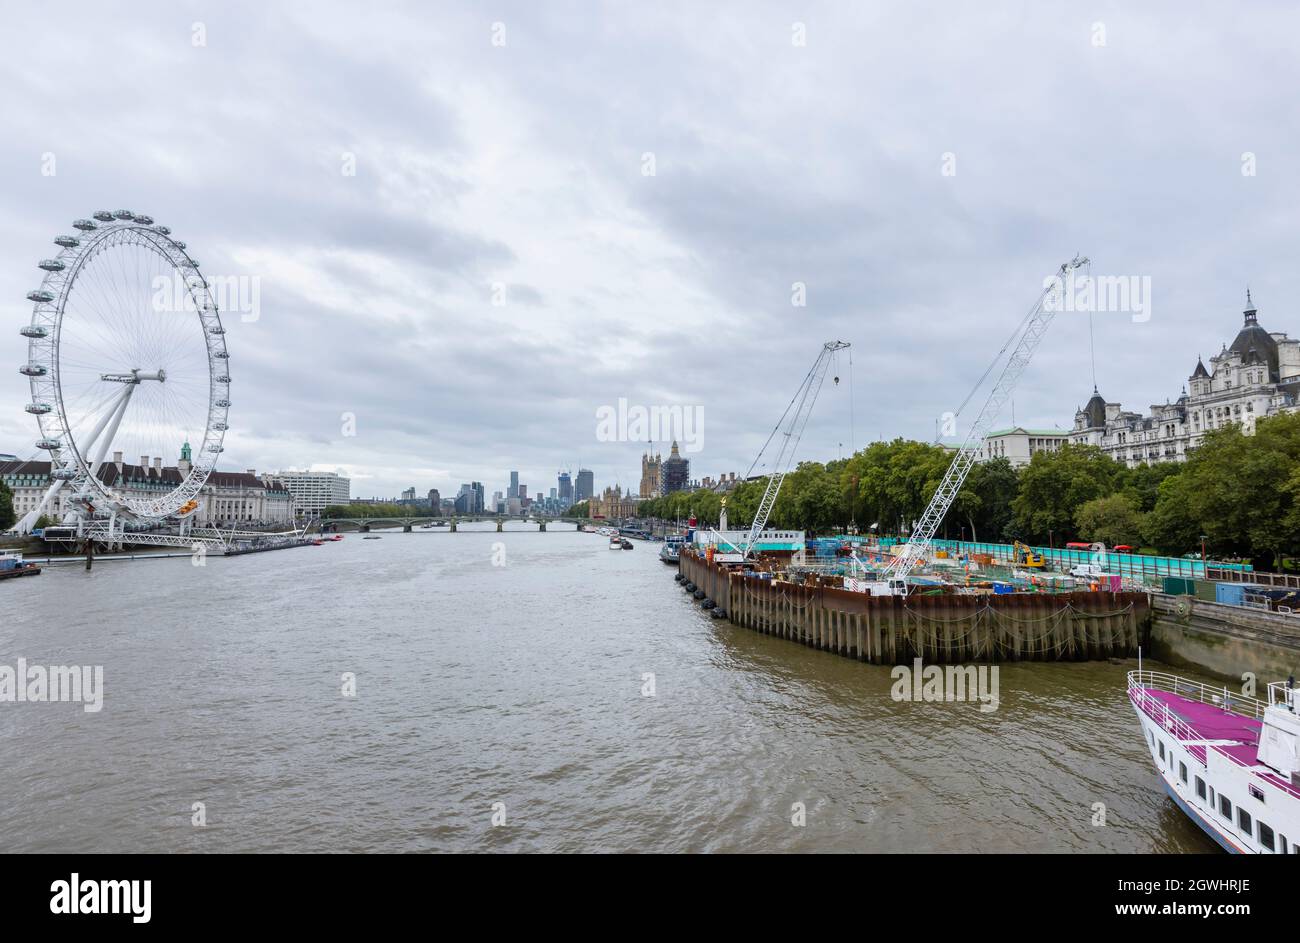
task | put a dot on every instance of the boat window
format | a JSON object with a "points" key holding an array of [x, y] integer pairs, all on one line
{"points": [[1162, 749], [1200, 787], [1182, 771], [1256, 792], [1244, 821], [1225, 807], [1265, 836]]}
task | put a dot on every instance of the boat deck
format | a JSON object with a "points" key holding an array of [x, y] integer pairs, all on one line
{"points": [[1239, 735]]}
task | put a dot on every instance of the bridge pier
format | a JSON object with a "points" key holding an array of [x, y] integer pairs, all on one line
{"points": [[499, 527], [541, 527], [406, 528], [365, 528], [453, 525]]}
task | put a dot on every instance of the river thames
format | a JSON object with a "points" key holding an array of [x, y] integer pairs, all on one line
{"points": [[485, 691]]}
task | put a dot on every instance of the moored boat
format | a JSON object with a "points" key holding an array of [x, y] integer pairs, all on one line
{"points": [[671, 551], [12, 565], [1230, 762]]}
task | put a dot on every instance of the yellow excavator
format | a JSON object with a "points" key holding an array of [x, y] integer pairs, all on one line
{"points": [[1026, 557]]}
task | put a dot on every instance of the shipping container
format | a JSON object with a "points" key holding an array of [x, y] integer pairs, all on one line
{"points": [[1205, 589], [1234, 594], [1179, 586]]}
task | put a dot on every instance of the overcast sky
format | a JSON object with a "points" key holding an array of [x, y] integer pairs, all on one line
{"points": [[506, 145]]}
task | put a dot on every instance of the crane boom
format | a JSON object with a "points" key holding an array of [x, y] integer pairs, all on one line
{"points": [[1037, 322], [798, 411]]}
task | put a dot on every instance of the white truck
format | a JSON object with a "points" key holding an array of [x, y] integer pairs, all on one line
{"points": [[1087, 570]]}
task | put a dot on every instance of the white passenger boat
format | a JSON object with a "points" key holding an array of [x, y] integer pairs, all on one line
{"points": [[1230, 762]]}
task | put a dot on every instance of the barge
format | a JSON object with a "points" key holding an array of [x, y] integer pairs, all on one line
{"points": [[12, 565]]}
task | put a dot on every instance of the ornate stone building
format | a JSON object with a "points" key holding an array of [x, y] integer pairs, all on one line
{"points": [[1257, 375], [651, 468], [612, 505], [226, 499]]}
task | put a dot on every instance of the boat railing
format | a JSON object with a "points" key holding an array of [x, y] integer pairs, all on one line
{"points": [[1282, 693], [1141, 681]]}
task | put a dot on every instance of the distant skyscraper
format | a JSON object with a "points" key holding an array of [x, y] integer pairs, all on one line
{"points": [[514, 484], [566, 487], [586, 485], [674, 473], [479, 502]]}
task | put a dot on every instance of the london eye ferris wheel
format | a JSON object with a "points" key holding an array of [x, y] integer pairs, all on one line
{"points": [[126, 353]]}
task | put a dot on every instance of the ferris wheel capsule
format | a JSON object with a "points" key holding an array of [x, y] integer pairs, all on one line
{"points": [[52, 265], [33, 370], [63, 474], [38, 409], [85, 225], [123, 214], [104, 216], [34, 331], [68, 242], [49, 444], [40, 296]]}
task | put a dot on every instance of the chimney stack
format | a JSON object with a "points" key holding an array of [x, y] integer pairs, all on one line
{"points": [[157, 464], [144, 462], [117, 460]]}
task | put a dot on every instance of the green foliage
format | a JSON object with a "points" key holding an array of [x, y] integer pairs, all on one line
{"points": [[1238, 490], [371, 511], [7, 515], [1054, 485], [1113, 520], [581, 509], [1242, 492]]}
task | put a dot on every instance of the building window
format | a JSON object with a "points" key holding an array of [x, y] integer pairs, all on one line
{"points": [[1266, 836]]}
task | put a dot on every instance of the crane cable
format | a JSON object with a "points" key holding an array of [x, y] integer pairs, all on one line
{"points": [[771, 435], [998, 356]]}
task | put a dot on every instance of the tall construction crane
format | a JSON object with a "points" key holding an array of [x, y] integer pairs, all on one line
{"points": [[1030, 331], [795, 418]]}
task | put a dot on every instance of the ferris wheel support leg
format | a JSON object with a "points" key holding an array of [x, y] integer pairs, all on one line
{"points": [[114, 419], [26, 525]]}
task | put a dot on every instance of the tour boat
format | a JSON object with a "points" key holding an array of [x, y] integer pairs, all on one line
{"points": [[1230, 762], [671, 551], [615, 542]]}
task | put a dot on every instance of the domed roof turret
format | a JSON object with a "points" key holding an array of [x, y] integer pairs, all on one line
{"points": [[1095, 411], [1254, 344]]}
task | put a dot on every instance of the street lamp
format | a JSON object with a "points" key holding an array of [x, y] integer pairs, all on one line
{"points": [[1203, 539]]}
